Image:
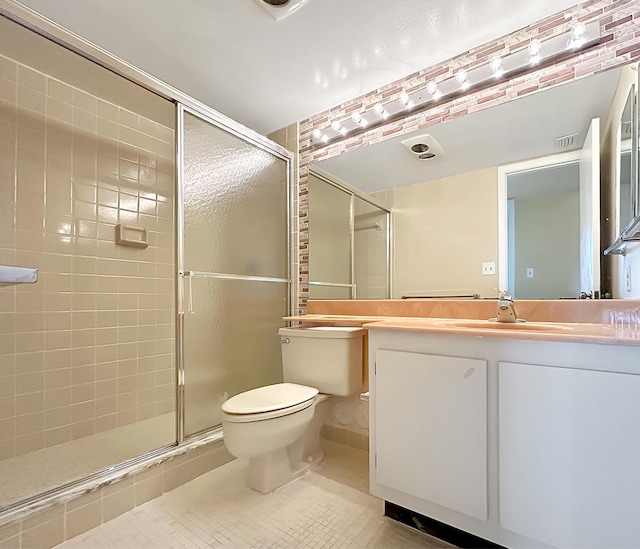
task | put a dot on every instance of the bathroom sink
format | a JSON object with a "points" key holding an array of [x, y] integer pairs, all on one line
{"points": [[507, 326]]}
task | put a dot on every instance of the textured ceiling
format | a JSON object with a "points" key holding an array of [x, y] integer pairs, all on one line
{"points": [[233, 56]]}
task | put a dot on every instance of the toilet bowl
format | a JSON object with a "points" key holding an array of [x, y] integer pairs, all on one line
{"points": [[277, 427]]}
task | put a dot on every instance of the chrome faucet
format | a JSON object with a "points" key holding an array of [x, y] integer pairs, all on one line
{"points": [[506, 311]]}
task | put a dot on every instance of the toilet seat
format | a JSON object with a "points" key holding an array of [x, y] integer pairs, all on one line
{"points": [[268, 402]]}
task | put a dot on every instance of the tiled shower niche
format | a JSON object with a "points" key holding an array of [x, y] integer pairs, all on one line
{"points": [[87, 375]]}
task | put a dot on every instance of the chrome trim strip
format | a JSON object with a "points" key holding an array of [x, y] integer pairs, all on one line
{"points": [[352, 243], [635, 192], [226, 276], [290, 225], [332, 284], [390, 221], [179, 213]]}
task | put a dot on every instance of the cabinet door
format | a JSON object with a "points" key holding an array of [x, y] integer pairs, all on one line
{"points": [[570, 455], [431, 428]]}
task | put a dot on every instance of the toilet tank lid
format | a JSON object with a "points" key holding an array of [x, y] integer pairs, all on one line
{"points": [[335, 332], [269, 398]]}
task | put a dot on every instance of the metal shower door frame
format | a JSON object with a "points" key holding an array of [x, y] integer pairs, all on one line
{"points": [[229, 126]]}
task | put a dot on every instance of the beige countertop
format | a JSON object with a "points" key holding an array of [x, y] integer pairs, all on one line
{"points": [[539, 331]]}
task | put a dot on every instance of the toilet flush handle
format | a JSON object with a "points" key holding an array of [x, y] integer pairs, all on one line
{"points": [[285, 340]]}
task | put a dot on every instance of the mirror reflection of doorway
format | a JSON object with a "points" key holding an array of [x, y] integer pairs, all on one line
{"points": [[556, 245], [543, 232]]}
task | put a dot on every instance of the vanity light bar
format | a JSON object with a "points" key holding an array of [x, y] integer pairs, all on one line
{"points": [[539, 53]]}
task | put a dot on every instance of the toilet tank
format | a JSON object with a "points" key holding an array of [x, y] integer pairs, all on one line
{"points": [[328, 358]]}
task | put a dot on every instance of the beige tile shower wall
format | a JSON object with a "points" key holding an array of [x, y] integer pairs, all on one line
{"points": [[90, 346], [370, 253]]}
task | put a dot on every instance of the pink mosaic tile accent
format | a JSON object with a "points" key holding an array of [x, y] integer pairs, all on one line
{"points": [[620, 44]]}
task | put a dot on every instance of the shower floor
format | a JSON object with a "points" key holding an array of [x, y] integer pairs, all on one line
{"points": [[30, 474]]}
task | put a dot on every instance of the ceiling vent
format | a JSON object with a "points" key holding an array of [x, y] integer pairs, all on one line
{"points": [[279, 9], [423, 147], [566, 142]]}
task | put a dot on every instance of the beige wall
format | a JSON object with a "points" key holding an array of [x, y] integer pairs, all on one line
{"points": [[90, 347], [444, 230], [547, 238]]}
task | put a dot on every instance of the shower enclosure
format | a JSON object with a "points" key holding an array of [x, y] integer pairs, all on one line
{"points": [[349, 242], [159, 231]]}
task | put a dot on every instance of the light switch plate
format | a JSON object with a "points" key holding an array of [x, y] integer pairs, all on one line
{"points": [[529, 272], [488, 268]]}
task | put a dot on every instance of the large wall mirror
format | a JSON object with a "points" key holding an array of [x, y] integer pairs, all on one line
{"points": [[507, 197]]}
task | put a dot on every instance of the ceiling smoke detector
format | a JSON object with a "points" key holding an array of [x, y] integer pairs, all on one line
{"points": [[423, 147], [279, 9]]}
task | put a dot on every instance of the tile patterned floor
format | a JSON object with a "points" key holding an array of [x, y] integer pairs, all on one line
{"points": [[328, 507], [24, 476]]}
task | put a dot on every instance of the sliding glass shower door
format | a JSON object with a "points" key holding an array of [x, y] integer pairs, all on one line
{"points": [[234, 281]]}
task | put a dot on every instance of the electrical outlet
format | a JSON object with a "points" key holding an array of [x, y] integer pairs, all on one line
{"points": [[529, 272], [488, 268]]}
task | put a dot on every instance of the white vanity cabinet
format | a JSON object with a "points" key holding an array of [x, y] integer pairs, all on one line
{"points": [[440, 452], [524, 443], [569, 447]]}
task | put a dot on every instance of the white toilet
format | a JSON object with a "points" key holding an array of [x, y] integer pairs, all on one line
{"points": [[277, 427]]}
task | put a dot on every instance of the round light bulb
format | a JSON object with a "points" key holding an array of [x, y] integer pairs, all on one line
{"points": [[578, 31], [535, 47]]}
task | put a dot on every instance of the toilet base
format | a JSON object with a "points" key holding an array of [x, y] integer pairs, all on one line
{"points": [[269, 471]]}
